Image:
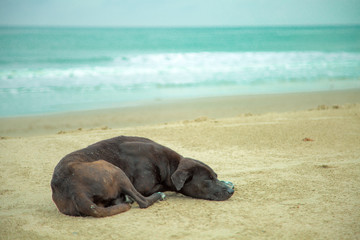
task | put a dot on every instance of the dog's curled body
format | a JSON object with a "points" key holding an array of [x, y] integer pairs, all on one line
{"points": [[95, 181]]}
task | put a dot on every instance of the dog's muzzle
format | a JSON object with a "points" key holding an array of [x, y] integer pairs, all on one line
{"points": [[230, 186]]}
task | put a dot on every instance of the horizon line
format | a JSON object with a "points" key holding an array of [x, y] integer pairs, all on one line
{"points": [[178, 26]]}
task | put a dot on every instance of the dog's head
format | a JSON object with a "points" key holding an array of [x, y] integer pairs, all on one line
{"points": [[195, 179]]}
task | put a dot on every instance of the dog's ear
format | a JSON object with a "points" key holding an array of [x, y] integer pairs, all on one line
{"points": [[179, 178], [181, 174]]}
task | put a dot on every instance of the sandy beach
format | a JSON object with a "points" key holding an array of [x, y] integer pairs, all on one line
{"points": [[294, 160]]}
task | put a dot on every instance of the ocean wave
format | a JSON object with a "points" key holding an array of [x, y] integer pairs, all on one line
{"points": [[185, 69], [53, 61]]}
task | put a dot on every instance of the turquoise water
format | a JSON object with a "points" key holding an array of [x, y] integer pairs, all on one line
{"points": [[48, 70]]}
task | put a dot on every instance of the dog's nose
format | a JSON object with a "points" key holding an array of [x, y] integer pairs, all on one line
{"points": [[230, 190], [228, 184]]}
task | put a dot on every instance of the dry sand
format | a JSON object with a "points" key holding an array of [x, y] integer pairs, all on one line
{"points": [[285, 187]]}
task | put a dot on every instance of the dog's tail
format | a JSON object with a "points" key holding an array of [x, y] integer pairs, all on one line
{"points": [[86, 207]]}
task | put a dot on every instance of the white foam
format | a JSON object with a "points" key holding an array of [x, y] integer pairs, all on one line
{"points": [[169, 69]]}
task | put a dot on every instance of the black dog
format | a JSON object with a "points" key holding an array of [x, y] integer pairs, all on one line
{"points": [[95, 181]]}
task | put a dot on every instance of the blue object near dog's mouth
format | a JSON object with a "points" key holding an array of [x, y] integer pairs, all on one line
{"points": [[229, 184]]}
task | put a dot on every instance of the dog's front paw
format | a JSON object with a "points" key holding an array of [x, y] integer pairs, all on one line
{"points": [[162, 196]]}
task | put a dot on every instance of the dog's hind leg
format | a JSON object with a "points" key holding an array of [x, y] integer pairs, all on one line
{"points": [[94, 186], [86, 207]]}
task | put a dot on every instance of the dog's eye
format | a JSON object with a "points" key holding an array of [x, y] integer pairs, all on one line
{"points": [[212, 178], [188, 179]]}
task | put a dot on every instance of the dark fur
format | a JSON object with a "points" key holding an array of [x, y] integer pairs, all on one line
{"points": [[95, 180]]}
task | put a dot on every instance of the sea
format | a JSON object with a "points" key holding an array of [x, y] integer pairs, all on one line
{"points": [[45, 70]]}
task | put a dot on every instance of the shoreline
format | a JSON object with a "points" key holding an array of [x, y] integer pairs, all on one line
{"points": [[172, 111]]}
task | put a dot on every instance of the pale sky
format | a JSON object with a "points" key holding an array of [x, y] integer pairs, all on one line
{"points": [[175, 13]]}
